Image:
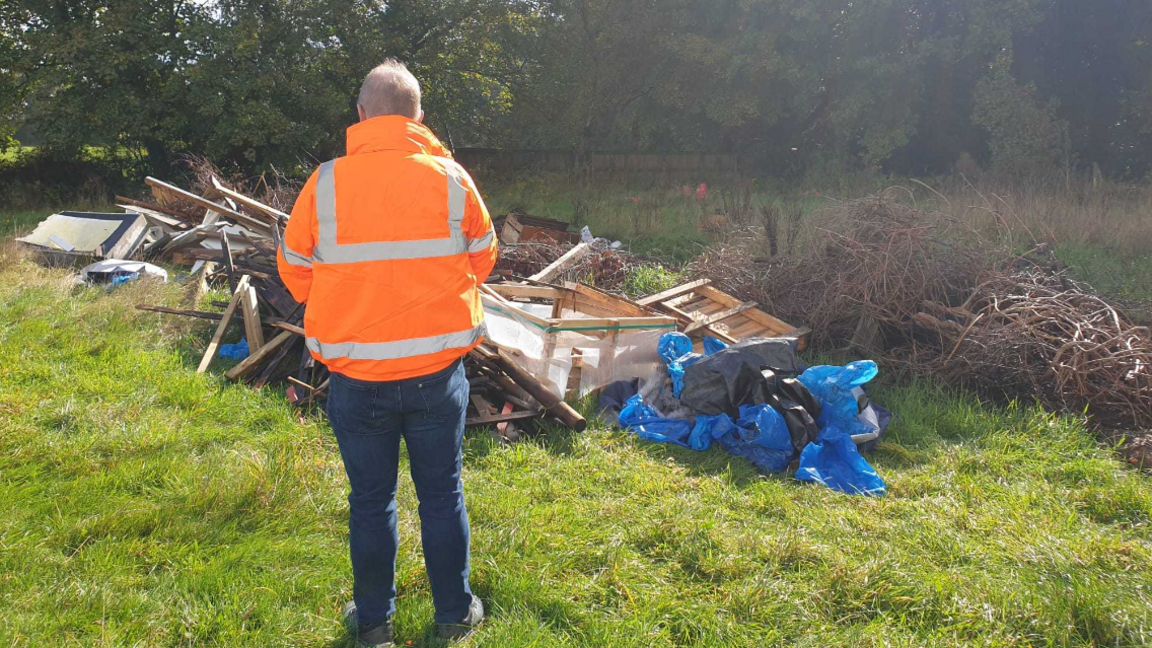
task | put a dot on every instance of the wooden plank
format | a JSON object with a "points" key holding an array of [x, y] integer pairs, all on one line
{"points": [[522, 291], [181, 218], [268, 371], [253, 327], [747, 328], [156, 217], [228, 267], [570, 258], [614, 322], [285, 326], [718, 317], [618, 305], [492, 302], [481, 421], [251, 203], [176, 311], [213, 345], [250, 363], [236, 216], [652, 300]]}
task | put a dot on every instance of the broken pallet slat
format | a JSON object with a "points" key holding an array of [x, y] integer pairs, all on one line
{"points": [[214, 344], [569, 258], [249, 364], [673, 292], [718, 317], [253, 328]]}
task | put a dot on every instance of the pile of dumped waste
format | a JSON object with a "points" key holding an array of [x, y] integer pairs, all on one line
{"points": [[756, 400]]}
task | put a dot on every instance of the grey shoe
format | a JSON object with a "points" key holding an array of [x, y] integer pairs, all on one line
{"points": [[464, 627], [375, 637]]}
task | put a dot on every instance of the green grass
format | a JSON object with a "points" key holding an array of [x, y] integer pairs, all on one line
{"points": [[142, 504], [1127, 276]]}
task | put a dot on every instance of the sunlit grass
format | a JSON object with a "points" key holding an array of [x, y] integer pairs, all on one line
{"points": [[143, 504]]}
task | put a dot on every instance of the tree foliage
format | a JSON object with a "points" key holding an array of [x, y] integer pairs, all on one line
{"points": [[908, 85]]}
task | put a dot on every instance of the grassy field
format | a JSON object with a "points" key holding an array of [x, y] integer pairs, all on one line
{"points": [[142, 504]]}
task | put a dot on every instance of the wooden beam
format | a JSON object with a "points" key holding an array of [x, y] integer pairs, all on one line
{"points": [[176, 311], [673, 292], [570, 258], [228, 267], [129, 203], [249, 364], [223, 210], [251, 203], [213, 345], [285, 326], [253, 327], [551, 402]]}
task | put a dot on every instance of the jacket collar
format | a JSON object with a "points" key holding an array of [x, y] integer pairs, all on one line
{"points": [[393, 133]]}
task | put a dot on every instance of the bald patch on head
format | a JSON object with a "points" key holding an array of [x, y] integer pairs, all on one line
{"points": [[390, 89]]}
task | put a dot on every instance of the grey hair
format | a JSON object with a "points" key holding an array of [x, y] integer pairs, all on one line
{"points": [[390, 89]]}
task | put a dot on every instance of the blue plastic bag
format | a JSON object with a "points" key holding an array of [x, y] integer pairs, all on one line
{"points": [[761, 436], [834, 385], [676, 351], [712, 345], [237, 351], [834, 461], [708, 429], [649, 425]]}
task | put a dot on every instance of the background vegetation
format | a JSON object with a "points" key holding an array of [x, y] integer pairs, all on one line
{"points": [[792, 86]]}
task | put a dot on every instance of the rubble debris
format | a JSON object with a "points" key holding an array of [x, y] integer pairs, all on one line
{"points": [[71, 237], [118, 271]]}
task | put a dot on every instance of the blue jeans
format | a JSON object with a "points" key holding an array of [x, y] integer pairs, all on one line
{"points": [[369, 418]]}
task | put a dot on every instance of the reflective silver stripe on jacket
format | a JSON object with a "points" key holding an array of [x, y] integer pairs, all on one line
{"points": [[328, 250], [399, 349], [293, 257], [481, 244]]}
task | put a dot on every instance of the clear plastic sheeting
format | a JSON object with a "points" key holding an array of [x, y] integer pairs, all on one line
{"points": [[551, 354]]}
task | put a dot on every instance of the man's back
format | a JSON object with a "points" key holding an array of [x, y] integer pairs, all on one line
{"points": [[387, 246]]}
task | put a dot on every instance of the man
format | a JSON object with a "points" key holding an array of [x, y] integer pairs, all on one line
{"points": [[387, 246]]}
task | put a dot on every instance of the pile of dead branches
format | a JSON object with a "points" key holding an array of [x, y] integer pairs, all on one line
{"points": [[876, 259], [941, 301], [1032, 334]]}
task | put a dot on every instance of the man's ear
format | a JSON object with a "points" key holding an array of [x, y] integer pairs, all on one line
{"points": [[360, 112], [420, 117]]}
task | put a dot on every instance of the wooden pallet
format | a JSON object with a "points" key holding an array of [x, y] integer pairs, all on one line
{"points": [[705, 310]]}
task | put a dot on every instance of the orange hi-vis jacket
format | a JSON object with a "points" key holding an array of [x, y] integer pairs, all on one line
{"points": [[386, 246]]}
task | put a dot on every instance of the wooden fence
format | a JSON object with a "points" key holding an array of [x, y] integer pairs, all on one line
{"points": [[561, 161]]}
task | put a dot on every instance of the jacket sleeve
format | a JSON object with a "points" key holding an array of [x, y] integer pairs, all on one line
{"points": [[294, 257], [483, 248]]}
